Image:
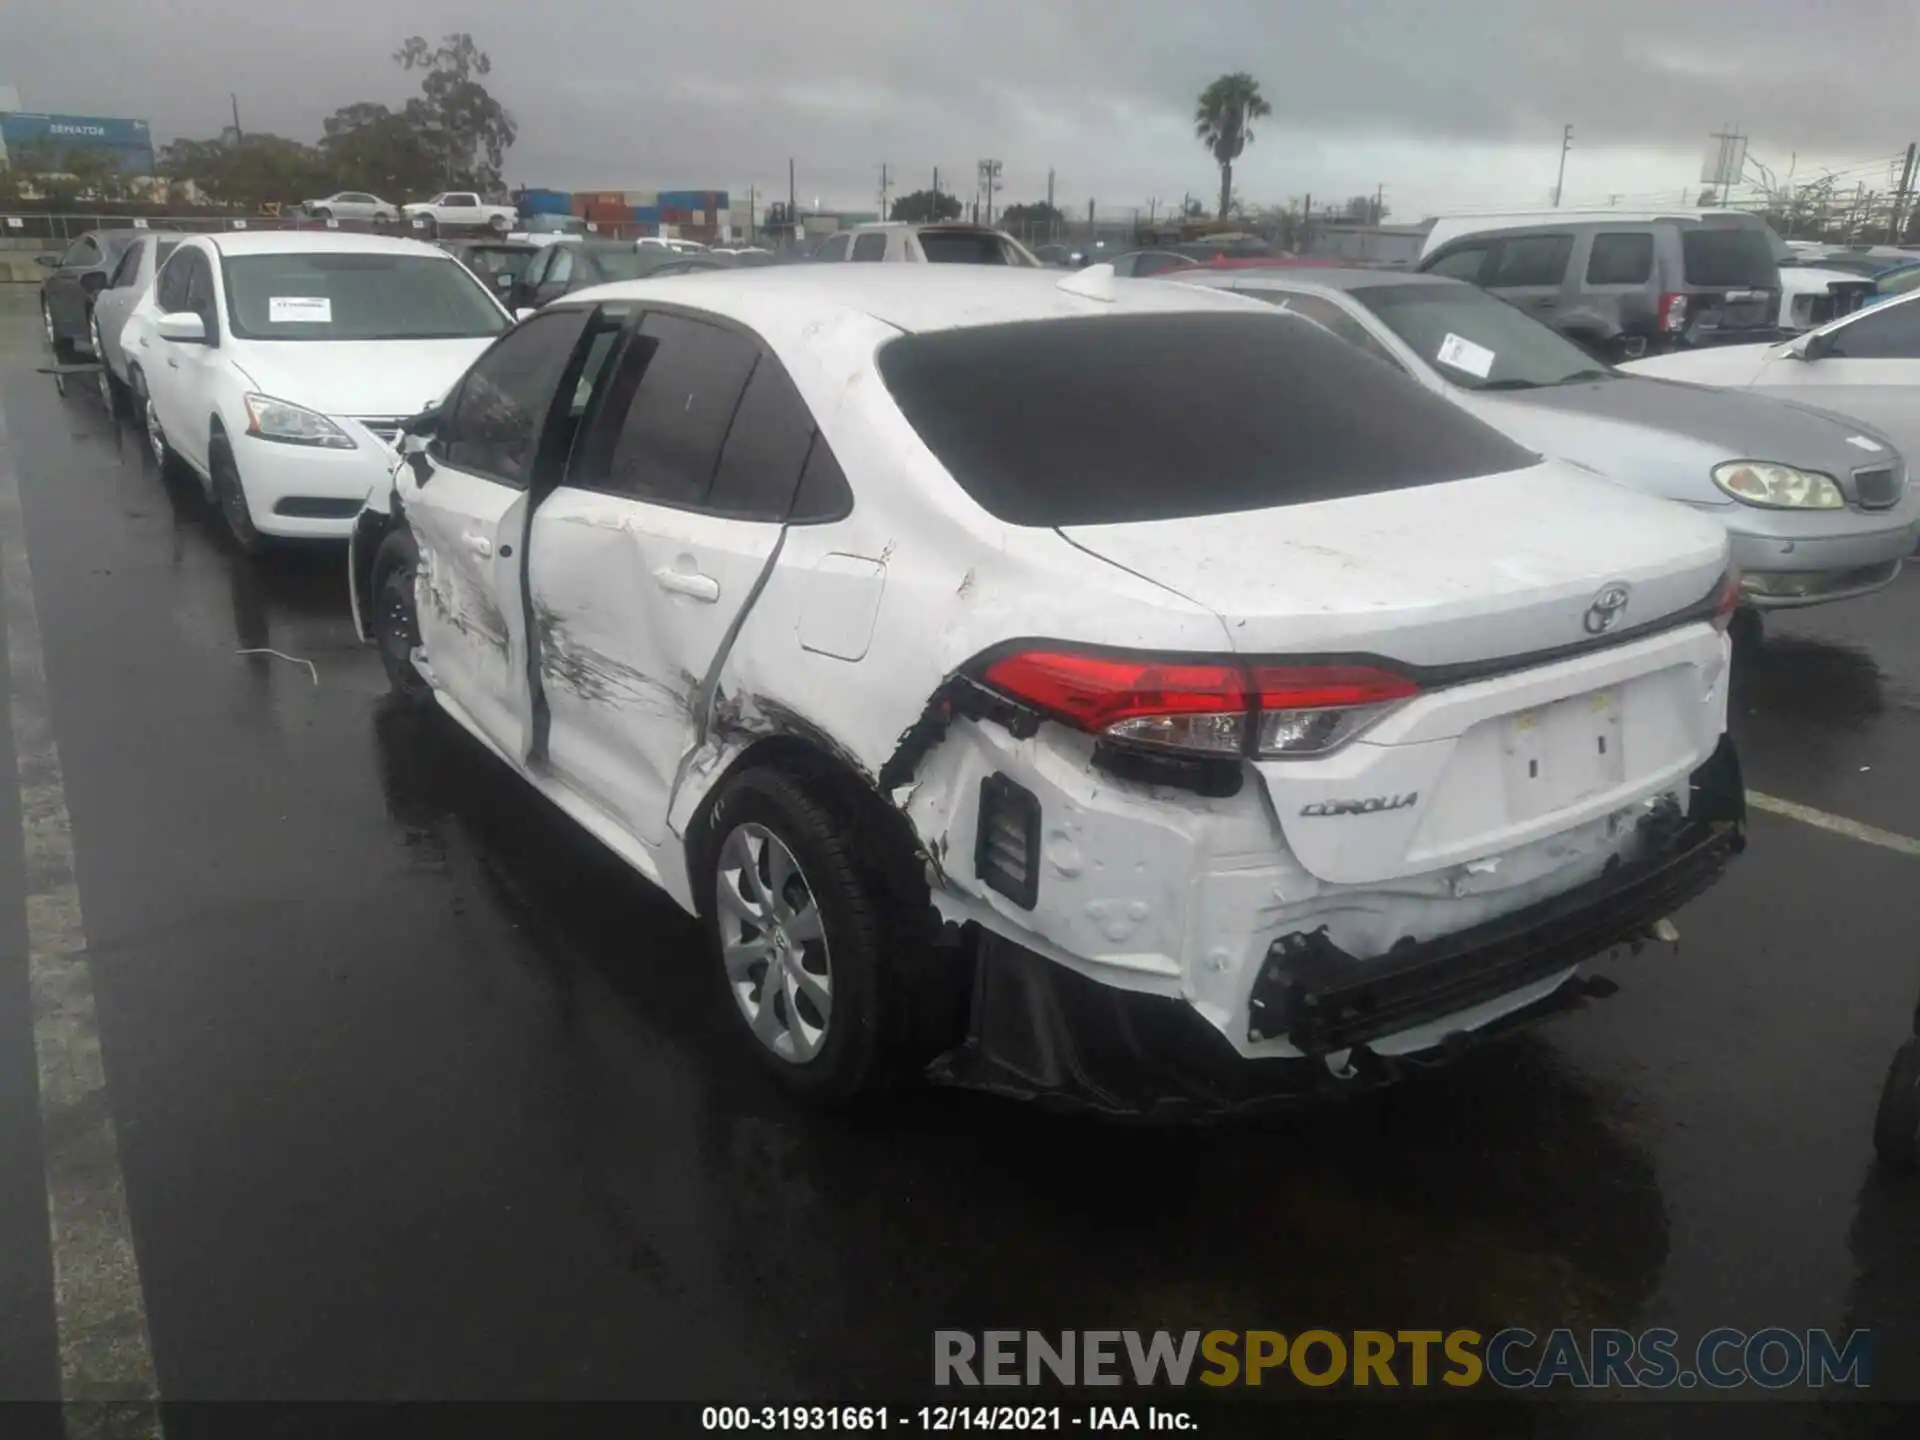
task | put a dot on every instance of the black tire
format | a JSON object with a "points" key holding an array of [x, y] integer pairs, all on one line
{"points": [[323, 213], [499, 224], [165, 457], [1896, 1124], [872, 949], [231, 498], [433, 227], [1748, 628], [106, 383], [394, 618], [65, 352]]}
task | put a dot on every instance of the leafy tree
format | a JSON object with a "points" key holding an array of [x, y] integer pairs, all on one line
{"points": [[1365, 209], [1708, 197], [921, 206], [1223, 119], [249, 172], [1039, 215], [467, 130], [1195, 210], [369, 147]]}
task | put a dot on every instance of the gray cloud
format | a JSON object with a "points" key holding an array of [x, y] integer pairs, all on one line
{"points": [[722, 92]]}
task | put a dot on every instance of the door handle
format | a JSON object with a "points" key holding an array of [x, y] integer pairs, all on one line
{"points": [[480, 545], [173, 364], [690, 583]]}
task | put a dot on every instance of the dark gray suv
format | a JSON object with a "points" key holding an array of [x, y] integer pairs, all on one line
{"points": [[74, 277], [1632, 287]]}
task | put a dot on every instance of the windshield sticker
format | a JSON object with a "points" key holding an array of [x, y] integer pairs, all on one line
{"points": [[1865, 444], [1475, 360], [299, 310]]}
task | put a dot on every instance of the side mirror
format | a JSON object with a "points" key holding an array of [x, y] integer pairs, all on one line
{"points": [[47, 260], [1811, 346], [426, 423], [183, 327], [524, 311]]}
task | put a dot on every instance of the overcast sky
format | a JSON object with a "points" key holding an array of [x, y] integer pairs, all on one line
{"points": [[1450, 104]]}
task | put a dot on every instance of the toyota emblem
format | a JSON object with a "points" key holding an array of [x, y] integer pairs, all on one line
{"points": [[1607, 608]]}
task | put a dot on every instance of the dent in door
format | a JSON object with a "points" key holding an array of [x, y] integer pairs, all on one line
{"points": [[839, 603]]}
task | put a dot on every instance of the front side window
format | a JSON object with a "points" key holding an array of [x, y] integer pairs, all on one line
{"points": [[1155, 417], [1475, 340], [1886, 332], [836, 248], [470, 202], [351, 295], [1620, 258], [128, 270], [501, 408], [170, 291], [1530, 260], [672, 400], [1465, 263], [870, 247], [200, 289]]}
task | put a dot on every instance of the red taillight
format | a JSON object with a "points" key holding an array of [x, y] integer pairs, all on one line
{"points": [[1673, 313], [1726, 600], [1206, 707]]}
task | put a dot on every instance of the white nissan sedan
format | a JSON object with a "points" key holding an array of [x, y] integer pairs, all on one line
{"points": [[1117, 693], [276, 365]]}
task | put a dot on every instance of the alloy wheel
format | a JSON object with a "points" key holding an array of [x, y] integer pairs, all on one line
{"points": [[46, 323], [100, 359], [773, 944], [156, 437]]}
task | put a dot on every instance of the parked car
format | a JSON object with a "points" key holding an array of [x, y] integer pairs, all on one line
{"points": [[578, 265], [669, 242], [1141, 263], [1817, 508], [74, 278], [1865, 366], [353, 205], [274, 365], [461, 210], [131, 279], [545, 229], [499, 264], [896, 242], [1260, 722], [1621, 285]]}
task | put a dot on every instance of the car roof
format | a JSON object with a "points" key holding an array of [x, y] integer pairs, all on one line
{"points": [[321, 242], [968, 226], [1313, 276], [911, 298]]}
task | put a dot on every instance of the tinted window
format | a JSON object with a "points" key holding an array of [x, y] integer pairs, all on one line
{"points": [[502, 403], [1900, 281], [470, 201], [1620, 259], [1478, 341], [670, 436], [1160, 264], [200, 287], [1729, 256], [1463, 264], [966, 247], [1530, 260], [766, 448], [170, 290], [836, 248], [823, 494], [83, 252], [871, 246], [1159, 416], [127, 271], [559, 266], [357, 295], [1886, 332]]}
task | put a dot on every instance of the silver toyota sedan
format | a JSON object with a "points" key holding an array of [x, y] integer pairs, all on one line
{"points": [[1817, 507]]}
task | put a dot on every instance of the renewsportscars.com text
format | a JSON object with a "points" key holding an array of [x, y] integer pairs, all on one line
{"points": [[1722, 1359]]}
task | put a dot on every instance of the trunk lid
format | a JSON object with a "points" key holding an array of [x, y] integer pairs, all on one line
{"points": [[1527, 567]]}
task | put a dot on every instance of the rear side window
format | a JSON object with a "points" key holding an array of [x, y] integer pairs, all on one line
{"points": [[870, 247], [1623, 258], [836, 248], [964, 247], [1530, 260], [668, 444], [1735, 256], [766, 448], [1153, 417]]}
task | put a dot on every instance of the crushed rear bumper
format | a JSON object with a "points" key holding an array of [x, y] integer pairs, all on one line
{"points": [[1039, 1031]]}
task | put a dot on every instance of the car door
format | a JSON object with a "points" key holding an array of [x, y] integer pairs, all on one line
{"points": [[642, 564], [1868, 368], [462, 208], [194, 370], [66, 297], [465, 497]]}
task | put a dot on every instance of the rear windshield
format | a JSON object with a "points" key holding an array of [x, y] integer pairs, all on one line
{"points": [[1155, 417], [1729, 256], [330, 295], [967, 247]]}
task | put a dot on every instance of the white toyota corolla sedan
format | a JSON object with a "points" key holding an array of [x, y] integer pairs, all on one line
{"points": [[274, 365], [1118, 693]]}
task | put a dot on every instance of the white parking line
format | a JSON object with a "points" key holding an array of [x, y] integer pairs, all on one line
{"points": [[1836, 824], [107, 1377]]}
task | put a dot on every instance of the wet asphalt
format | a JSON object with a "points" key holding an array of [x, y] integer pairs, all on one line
{"points": [[421, 1095]]}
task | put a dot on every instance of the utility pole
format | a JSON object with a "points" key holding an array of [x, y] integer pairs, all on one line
{"points": [[1306, 225], [883, 189], [793, 203], [936, 192], [989, 176], [1566, 144], [1896, 227], [750, 199], [1379, 202], [238, 136]]}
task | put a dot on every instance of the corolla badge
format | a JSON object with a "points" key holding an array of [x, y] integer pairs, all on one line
{"points": [[1369, 805], [1607, 608]]}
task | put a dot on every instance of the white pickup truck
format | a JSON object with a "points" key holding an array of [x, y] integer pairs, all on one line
{"points": [[459, 210]]}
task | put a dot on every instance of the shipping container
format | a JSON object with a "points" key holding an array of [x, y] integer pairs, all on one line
{"points": [[545, 202], [641, 197], [608, 214], [646, 214]]}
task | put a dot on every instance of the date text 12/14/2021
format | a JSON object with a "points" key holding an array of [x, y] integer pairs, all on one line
{"points": [[946, 1419]]}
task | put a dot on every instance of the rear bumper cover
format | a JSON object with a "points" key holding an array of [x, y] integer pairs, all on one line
{"points": [[1038, 1031]]}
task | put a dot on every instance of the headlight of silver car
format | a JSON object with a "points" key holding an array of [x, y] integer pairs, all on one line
{"points": [[1779, 487]]}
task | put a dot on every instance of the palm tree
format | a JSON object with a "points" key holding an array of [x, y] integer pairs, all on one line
{"points": [[1226, 106]]}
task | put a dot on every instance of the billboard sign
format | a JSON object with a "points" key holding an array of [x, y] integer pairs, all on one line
{"points": [[127, 143]]}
